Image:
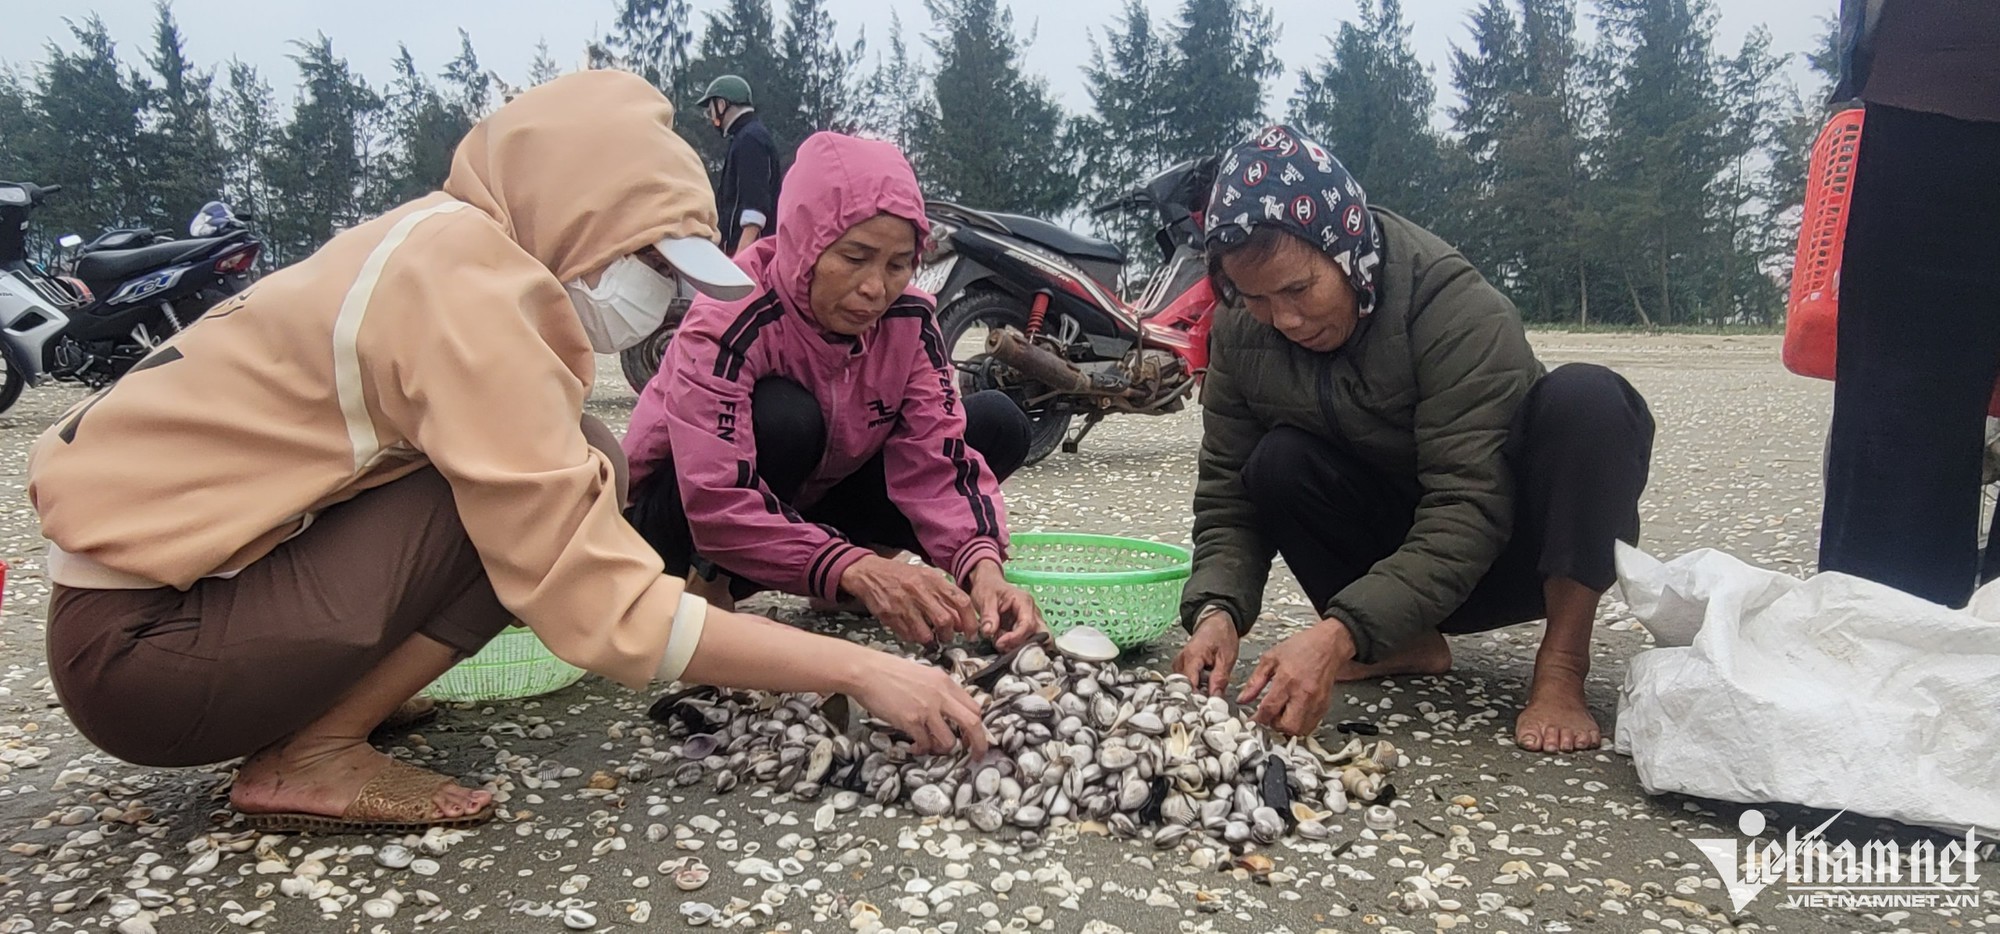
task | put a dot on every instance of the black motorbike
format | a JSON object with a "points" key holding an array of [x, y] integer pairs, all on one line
{"points": [[110, 302]]}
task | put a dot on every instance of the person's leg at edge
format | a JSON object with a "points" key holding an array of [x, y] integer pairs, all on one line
{"points": [[1581, 450], [999, 431], [320, 768], [1332, 519], [1919, 339], [436, 608], [790, 432], [860, 504]]}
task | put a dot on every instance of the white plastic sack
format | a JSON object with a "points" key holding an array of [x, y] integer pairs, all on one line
{"points": [[1833, 692]]}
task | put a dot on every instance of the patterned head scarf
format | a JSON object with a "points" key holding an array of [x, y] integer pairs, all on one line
{"points": [[1280, 177]]}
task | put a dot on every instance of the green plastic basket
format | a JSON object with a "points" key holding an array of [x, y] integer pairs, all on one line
{"points": [[1128, 588], [514, 665]]}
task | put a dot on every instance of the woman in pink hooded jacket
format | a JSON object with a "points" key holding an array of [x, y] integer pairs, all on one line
{"points": [[792, 438]]}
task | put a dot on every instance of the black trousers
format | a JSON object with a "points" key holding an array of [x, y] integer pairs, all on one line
{"points": [[791, 439], [1579, 448], [1919, 351]]}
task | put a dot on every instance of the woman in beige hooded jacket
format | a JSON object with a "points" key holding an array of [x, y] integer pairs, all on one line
{"points": [[287, 521]]}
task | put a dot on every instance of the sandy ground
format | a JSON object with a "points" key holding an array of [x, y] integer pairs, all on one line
{"points": [[1551, 844]]}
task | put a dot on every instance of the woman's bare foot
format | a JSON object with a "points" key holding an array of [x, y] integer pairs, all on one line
{"points": [[1557, 719], [324, 778], [1431, 655]]}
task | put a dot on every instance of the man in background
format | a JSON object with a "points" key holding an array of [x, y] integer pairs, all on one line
{"points": [[747, 193]]}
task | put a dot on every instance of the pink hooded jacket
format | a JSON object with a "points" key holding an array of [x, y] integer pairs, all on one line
{"points": [[893, 391]]}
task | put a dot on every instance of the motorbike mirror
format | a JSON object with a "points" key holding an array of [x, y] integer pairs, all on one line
{"points": [[70, 241]]}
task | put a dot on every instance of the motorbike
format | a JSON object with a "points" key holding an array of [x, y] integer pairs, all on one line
{"points": [[111, 301], [1033, 309]]}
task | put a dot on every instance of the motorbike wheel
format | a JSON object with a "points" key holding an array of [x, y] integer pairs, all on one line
{"points": [[640, 362], [965, 323], [11, 385]]}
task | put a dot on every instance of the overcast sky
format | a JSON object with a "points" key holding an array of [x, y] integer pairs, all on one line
{"points": [[505, 31]]}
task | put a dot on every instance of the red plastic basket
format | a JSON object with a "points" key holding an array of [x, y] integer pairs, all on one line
{"points": [[1813, 310]]}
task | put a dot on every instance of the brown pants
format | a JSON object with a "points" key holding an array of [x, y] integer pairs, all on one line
{"points": [[170, 679]]}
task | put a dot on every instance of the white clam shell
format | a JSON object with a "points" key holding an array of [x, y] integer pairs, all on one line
{"points": [[1087, 643]]}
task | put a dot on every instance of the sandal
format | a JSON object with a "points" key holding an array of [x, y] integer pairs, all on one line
{"points": [[396, 800], [414, 712]]}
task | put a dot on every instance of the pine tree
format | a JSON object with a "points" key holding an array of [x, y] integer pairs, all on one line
{"points": [[895, 97], [651, 38], [1545, 159], [1488, 78], [425, 129], [1370, 103], [1659, 151], [323, 164], [996, 140], [816, 75], [1516, 125], [468, 88], [247, 123], [17, 125], [1751, 203], [183, 154], [1222, 55], [88, 136], [1491, 79], [544, 68], [1807, 113], [1125, 136]]}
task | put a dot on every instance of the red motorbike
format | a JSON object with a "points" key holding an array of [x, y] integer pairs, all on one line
{"points": [[1034, 310]]}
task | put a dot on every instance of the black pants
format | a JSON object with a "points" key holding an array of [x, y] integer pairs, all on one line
{"points": [[791, 439], [1919, 351], [1579, 448]]}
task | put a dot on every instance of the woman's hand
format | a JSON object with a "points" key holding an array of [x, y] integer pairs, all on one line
{"points": [[1296, 678], [915, 602], [740, 650], [1210, 652], [1007, 614], [924, 703]]}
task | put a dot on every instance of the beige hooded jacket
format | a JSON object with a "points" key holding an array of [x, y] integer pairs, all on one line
{"points": [[437, 334]]}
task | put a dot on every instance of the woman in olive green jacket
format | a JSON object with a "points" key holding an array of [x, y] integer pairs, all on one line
{"points": [[1374, 414]]}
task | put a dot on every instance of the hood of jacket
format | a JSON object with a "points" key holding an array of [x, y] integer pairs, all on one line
{"points": [[835, 183], [583, 170]]}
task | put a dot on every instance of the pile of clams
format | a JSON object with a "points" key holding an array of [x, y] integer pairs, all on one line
{"points": [[1139, 752]]}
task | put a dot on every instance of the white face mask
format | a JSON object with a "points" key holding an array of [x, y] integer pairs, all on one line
{"points": [[630, 302]]}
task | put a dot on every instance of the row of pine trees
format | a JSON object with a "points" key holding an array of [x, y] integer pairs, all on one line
{"points": [[1641, 176]]}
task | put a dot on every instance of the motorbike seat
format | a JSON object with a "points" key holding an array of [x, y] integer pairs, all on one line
{"points": [[123, 239], [1061, 239], [120, 265]]}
